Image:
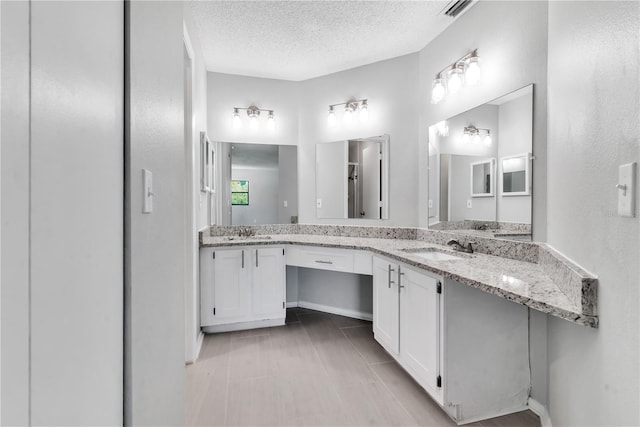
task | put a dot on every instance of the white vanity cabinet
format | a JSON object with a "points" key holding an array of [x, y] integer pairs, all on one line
{"points": [[242, 288], [468, 349], [406, 320]]}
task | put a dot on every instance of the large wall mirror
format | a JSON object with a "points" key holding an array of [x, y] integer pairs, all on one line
{"points": [[352, 178], [260, 184], [480, 168]]}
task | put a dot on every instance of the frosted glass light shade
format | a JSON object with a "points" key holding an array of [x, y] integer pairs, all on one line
{"points": [[236, 123], [438, 91], [454, 81], [472, 73], [364, 112]]}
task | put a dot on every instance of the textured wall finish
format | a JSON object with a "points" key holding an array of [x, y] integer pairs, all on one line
{"points": [[594, 118]]}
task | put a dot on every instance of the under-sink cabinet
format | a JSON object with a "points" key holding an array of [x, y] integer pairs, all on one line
{"points": [[466, 348], [242, 288]]}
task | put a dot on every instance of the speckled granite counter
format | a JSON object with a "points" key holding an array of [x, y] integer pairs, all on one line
{"points": [[531, 280]]}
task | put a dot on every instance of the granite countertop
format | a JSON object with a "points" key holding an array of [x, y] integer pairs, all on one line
{"points": [[523, 282]]}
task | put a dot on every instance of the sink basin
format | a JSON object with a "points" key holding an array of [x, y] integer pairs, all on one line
{"points": [[260, 237], [433, 254]]}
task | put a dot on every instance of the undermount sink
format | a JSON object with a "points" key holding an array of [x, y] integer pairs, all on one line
{"points": [[260, 237], [433, 254]]}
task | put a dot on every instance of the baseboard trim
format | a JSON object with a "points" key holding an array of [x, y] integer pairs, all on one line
{"points": [[292, 304], [540, 410], [240, 326], [199, 342], [336, 310]]}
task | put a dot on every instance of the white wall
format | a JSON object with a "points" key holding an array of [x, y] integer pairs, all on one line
{"points": [[155, 243], [511, 38], [226, 91], [15, 213], [482, 208], [515, 120], [594, 117], [200, 199], [66, 265], [392, 90], [263, 196], [347, 291]]}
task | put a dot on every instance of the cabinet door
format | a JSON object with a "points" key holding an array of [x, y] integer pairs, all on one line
{"points": [[269, 285], [386, 305], [230, 286], [420, 328]]}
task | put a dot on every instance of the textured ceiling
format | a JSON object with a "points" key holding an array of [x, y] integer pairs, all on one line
{"points": [[298, 40]]}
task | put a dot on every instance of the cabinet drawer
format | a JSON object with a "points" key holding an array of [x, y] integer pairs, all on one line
{"points": [[321, 258]]}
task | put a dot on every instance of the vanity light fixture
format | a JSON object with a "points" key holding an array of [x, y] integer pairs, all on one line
{"points": [[443, 128], [463, 71], [472, 133], [253, 113], [360, 106]]}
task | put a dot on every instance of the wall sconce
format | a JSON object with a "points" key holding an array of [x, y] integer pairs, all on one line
{"points": [[442, 127], [463, 71], [474, 134], [350, 108], [253, 113]]}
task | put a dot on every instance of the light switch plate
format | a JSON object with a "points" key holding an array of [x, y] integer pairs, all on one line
{"points": [[147, 191], [430, 204], [469, 203], [627, 190], [319, 203], [285, 204]]}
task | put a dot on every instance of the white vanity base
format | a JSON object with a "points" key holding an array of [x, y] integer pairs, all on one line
{"points": [[241, 326]]}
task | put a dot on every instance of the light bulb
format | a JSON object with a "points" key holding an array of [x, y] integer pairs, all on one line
{"points": [[253, 122], [476, 139], [487, 140], [472, 73], [348, 113], [454, 80], [237, 122], [443, 128], [271, 122], [364, 112], [438, 91], [331, 119], [466, 138]]}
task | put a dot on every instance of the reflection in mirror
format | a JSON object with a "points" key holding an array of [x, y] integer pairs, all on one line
{"points": [[352, 178], [515, 175], [482, 178], [462, 153], [260, 183]]}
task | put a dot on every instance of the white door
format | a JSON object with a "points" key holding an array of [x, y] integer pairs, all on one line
{"points": [[370, 177], [269, 285], [420, 328], [230, 286], [386, 305]]}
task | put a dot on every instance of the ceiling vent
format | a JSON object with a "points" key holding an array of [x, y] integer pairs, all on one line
{"points": [[456, 7]]}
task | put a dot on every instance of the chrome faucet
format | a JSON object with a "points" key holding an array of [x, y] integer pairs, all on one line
{"points": [[246, 232], [457, 246]]}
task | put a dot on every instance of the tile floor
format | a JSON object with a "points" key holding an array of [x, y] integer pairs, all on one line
{"points": [[319, 369]]}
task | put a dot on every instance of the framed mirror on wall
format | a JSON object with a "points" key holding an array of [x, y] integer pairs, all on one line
{"points": [[480, 168], [352, 178]]}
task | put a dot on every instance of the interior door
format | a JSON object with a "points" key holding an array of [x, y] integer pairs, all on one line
{"points": [[371, 180]]}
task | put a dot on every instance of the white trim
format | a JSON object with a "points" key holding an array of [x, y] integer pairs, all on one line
{"points": [[336, 310], [187, 41], [292, 304], [240, 326], [540, 410], [199, 343]]}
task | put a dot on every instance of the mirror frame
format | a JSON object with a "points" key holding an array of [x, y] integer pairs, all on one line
{"points": [[492, 183], [527, 175]]}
